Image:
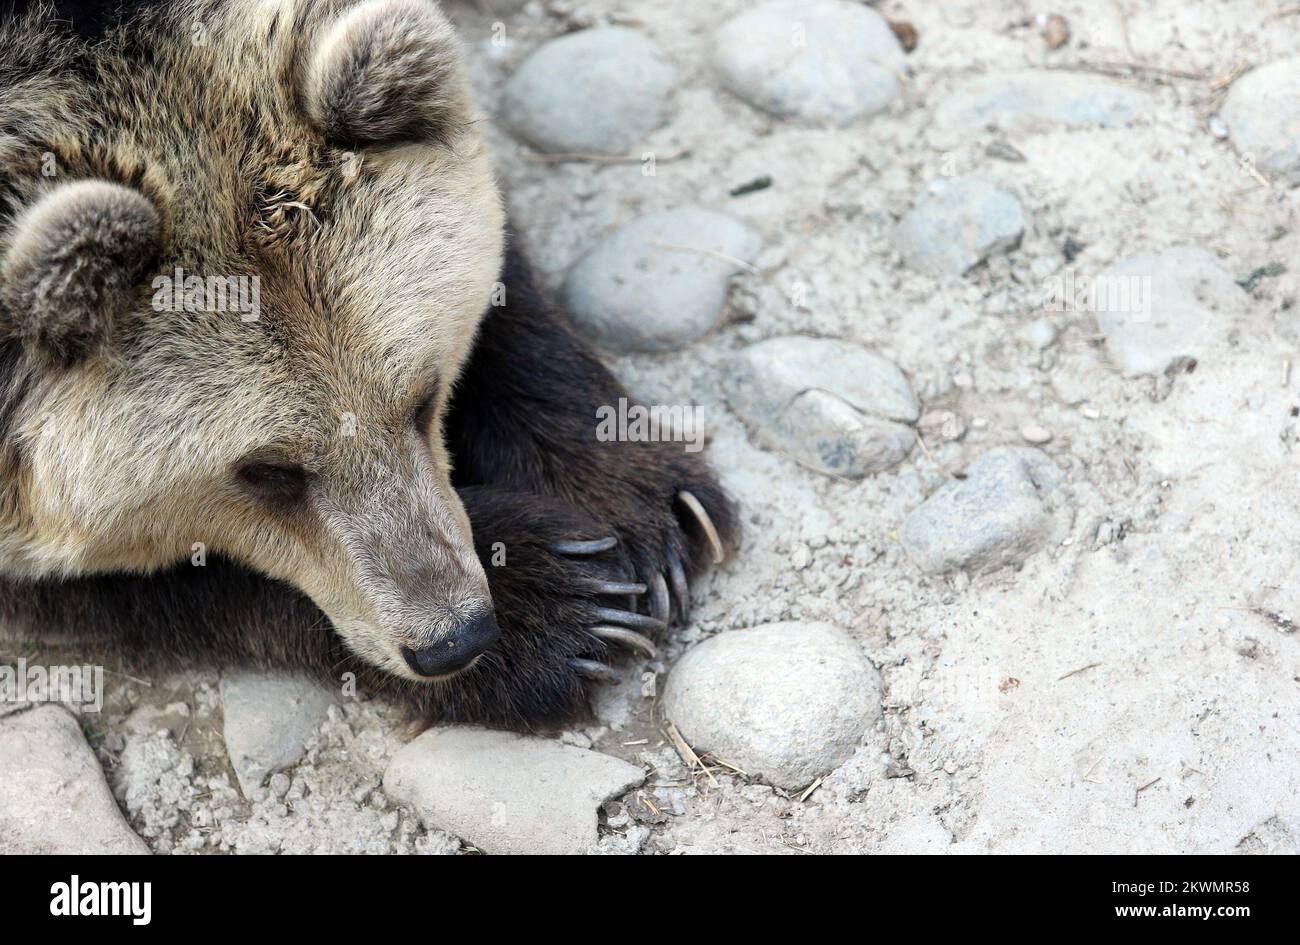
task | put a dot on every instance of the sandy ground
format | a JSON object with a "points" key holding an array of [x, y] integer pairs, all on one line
{"points": [[1190, 695], [1127, 690]]}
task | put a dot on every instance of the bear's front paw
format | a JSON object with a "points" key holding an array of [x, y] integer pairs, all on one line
{"points": [[672, 518], [565, 598]]}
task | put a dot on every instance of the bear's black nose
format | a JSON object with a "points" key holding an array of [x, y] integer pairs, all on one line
{"points": [[453, 651]]}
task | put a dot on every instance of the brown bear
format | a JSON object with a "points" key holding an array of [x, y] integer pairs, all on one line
{"points": [[277, 386]]}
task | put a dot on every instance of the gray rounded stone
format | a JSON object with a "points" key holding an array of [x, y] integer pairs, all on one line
{"points": [[597, 91], [826, 60], [1005, 509], [957, 225], [53, 797], [269, 718], [1032, 99], [831, 406], [788, 702], [658, 282], [507, 793], [1156, 309], [1262, 113]]}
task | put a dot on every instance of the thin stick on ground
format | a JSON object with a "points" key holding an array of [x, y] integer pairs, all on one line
{"points": [[729, 766], [1131, 70], [1076, 672], [687, 754], [574, 157], [135, 679], [1138, 792], [705, 252], [808, 791]]}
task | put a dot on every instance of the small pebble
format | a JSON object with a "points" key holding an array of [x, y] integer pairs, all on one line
{"points": [[1004, 152], [1036, 435], [1055, 29], [906, 33], [1040, 333]]}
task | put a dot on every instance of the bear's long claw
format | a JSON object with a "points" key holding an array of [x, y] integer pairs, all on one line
{"points": [[681, 590], [629, 638], [706, 523], [592, 547], [660, 604], [626, 618], [617, 587], [593, 670]]}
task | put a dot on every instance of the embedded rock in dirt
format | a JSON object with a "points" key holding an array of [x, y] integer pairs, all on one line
{"points": [[658, 282], [1159, 309], [826, 60], [788, 702], [53, 797], [507, 793], [830, 405], [269, 718], [598, 91], [957, 225], [1006, 508], [1034, 99], [1262, 113]]}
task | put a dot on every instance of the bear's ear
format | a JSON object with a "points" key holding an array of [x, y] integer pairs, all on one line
{"points": [[383, 72], [70, 264]]}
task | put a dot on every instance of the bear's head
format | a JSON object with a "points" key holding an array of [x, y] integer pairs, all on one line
{"points": [[244, 250]]}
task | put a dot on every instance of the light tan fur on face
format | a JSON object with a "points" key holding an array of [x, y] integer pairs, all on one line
{"points": [[375, 266]]}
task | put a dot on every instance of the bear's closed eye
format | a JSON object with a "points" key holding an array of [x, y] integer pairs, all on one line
{"points": [[281, 482], [422, 417]]}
